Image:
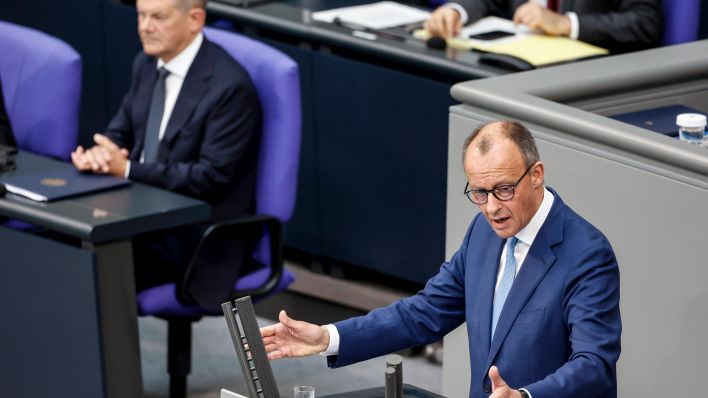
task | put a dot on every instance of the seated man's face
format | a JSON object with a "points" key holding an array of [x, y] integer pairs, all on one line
{"points": [[165, 28]]}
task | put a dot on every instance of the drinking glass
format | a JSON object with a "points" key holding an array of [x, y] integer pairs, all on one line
{"points": [[303, 392]]}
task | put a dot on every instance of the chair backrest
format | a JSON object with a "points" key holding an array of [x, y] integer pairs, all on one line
{"points": [[681, 19], [276, 78], [41, 81]]}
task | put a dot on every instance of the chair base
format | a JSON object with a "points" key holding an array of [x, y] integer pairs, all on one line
{"points": [[179, 353]]}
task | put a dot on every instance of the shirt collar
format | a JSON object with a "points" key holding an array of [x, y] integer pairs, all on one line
{"points": [[180, 64], [529, 232]]}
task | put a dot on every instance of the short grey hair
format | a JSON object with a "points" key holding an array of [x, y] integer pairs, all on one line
{"points": [[511, 129], [187, 4]]}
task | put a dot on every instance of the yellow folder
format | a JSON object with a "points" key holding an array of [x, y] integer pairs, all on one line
{"points": [[535, 49]]}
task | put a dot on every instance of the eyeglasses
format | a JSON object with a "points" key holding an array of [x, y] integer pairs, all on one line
{"points": [[502, 192]]}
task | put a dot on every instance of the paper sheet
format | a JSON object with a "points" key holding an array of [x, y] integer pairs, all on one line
{"points": [[381, 15], [536, 49]]}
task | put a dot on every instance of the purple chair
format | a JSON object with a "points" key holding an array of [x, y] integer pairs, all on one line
{"points": [[276, 78], [41, 81], [681, 20]]}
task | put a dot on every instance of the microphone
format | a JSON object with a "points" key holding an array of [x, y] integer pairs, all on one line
{"points": [[436, 42]]}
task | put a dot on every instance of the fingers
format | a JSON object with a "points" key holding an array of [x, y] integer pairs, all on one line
{"points": [[99, 159], [105, 142], [444, 22], [542, 19], [495, 377], [287, 321], [527, 14], [79, 160]]}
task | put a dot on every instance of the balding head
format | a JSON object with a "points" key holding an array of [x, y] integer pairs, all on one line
{"points": [[483, 138]]}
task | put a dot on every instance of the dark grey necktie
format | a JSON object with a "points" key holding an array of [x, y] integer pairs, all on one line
{"points": [[157, 109]]}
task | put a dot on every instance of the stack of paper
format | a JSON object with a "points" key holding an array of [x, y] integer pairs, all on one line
{"points": [[381, 15]]}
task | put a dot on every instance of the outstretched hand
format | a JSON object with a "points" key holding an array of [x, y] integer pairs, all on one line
{"points": [[499, 387], [291, 338]]}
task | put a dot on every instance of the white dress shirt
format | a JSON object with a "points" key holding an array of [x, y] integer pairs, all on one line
{"points": [[573, 17], [525, 237], [178, 68]]}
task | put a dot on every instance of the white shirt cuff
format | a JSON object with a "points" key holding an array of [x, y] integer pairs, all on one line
{"points": [[574, 25], [333, 347], [127, 169], [460, 10], [527, 392]]}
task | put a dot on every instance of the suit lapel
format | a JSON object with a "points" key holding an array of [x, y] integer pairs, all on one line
{"points": [[538, 261], [141, 107], [193, 89]]}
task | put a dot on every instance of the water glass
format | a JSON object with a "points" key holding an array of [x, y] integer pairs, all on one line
{"points": [[303, 392]]}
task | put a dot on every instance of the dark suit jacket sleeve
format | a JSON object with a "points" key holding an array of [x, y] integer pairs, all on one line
{"points": [[120, 129], [228, 131], [424, 318], [478, 9], [620, 26], [6, 136], [636, 25], [591, 309]]}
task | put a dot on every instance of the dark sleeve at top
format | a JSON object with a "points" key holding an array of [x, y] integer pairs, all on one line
{"points": [[6, 136]]}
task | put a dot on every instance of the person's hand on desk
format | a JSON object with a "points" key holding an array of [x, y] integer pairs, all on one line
{"points": [[540, 18], [103, 158], [444, 22], [291, 338]]}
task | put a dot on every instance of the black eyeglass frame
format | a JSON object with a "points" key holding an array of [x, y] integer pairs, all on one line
{"points": [[469, 192]]}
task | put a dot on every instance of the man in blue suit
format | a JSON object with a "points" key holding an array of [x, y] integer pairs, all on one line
{"points": [[537, 285], [189, 123]]}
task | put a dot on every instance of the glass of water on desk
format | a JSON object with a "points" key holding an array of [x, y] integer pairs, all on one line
{"points": [[691, 127], [303, 392]]}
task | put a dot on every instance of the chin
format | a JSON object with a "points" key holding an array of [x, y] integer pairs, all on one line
{"points": [[151, 50]]}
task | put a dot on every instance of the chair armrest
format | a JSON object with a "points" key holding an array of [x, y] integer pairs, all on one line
{"points": [[239, 228]]}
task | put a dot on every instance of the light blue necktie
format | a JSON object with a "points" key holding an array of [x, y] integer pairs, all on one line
{"points": [[507, 279]]}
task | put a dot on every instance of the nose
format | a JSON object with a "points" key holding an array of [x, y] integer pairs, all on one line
{"points": [[493, 204], [144, 24]]}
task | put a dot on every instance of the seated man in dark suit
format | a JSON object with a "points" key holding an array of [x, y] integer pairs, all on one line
{"points": [[190, 123], [6, 136], [617, 25]]}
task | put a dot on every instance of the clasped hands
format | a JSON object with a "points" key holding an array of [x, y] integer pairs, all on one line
{"points": [[445, 21], [290, 338], [103, 158]]}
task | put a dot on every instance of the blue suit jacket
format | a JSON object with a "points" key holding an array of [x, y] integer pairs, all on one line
{"points": [[210, 146], [558, 334]]}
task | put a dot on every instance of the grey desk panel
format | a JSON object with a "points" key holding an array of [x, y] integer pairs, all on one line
{"points": [[409, 391], [49, 341], [646, 192], [99, 274], [105, 216]]}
